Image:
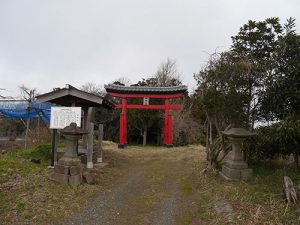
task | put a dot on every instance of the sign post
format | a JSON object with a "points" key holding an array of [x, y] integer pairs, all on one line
{"points": [[64, 116], [59, 119]]}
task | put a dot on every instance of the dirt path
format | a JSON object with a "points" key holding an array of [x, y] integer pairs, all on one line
{"points": [[154, 191]]}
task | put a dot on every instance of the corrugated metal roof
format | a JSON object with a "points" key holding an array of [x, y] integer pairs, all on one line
{"points": [[145, 89]]}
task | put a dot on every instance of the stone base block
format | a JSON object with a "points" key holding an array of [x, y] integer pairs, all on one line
{"points": [[74, 170], [246, 174], [236, 164], [68, 171], [75, 180], [233, 174], [64, 161], [61, 178], [236, 174], [61, 169]]}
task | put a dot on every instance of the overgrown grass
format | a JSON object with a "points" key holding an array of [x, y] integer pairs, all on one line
{"points": [[258, 201], [27, 196]]}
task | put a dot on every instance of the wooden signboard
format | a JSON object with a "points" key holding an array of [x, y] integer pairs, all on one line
{"points": [[63, 116]]}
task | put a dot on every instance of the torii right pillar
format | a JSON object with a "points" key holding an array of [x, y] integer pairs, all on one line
{"points": [[168, 133]]}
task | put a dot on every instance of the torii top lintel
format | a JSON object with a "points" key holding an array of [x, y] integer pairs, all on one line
{"points": [[145, 91]]}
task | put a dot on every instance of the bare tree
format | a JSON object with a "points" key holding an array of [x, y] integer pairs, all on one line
{"points": [[122, 81], [167, 74], [27, 93], [93, 88]]}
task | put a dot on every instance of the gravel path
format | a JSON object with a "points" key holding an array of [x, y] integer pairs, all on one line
{"points": [[114, 206], [147, 194], [109, 207], [166, 214]]}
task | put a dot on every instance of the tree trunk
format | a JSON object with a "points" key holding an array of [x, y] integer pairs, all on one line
{"points": [[158, 136], [296, 161], [145, 135], [207, 141]]}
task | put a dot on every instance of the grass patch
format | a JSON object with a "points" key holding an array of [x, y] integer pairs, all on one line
{"points": [[27, 196], [259, 201], [186, 187]]}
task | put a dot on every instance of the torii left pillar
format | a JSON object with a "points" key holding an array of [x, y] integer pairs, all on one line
{"points": [[123, 125], [168, 124]]}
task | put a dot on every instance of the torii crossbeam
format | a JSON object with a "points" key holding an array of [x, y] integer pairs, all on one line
{"points": [[167, 93]]}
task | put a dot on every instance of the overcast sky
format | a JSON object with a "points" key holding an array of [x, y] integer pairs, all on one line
{"points": [[50, 43]]}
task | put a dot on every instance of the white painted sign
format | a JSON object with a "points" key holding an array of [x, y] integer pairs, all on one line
{"points": [[63, 116], [146, 101]]}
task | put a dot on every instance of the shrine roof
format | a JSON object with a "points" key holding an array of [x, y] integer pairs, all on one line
{"points": [[144, 89], [71, 96]]}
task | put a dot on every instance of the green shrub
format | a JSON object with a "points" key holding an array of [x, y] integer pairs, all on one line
{"points": [[282, 138], [42, 152], [182, 139]]}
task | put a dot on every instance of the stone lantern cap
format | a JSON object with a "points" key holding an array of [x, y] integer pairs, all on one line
{"points": [[238, 133], [72, 129]]}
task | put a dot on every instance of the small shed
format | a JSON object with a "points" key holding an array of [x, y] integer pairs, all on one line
{"points": [[70, 96]]}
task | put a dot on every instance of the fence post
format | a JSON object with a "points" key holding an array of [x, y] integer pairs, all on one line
{"points": [[100, 139], [90, 136]]}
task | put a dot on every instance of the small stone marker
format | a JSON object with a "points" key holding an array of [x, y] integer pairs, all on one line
{"points": [[88, 177], [224, 208]]}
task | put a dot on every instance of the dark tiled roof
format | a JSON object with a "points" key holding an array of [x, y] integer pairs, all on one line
{"points": [[145, 89], [70, 95]]}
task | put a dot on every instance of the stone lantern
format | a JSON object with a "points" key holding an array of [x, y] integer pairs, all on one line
{"points": [[235, 168], [68, 169]]}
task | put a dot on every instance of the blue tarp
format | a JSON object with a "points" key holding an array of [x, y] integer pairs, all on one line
{"points": [[26, 110]]}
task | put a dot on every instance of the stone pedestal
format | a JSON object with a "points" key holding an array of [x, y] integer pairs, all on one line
{"points": [[236, 168], [68, 169]]}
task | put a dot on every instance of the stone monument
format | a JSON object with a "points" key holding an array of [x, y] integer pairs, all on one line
{"points": [[68, 169], [235, 168]]}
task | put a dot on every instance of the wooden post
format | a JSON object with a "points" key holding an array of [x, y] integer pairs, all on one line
{"points": [[100, 139], [85, 125], [54, 142], [38, 129], [90, 136]]}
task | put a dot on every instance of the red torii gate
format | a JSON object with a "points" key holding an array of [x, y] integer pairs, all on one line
{"points": [[146, 93]]}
